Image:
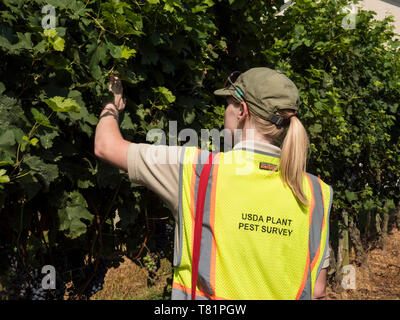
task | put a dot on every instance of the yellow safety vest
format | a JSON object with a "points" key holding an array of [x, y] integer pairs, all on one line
{"points": [[257, 242]]}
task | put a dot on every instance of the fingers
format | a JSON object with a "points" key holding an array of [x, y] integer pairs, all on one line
{"points": [[114, 79], [116, 87], [115, 84], [120, 102]]}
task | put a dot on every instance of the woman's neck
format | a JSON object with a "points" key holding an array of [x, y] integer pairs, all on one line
{"points": [[250, 133]]}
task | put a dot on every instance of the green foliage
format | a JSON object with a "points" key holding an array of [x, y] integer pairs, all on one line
{"points": [[171, 55], [348, 79]]}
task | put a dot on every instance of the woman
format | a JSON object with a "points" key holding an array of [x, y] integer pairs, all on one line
{"points": [[250, 222]]}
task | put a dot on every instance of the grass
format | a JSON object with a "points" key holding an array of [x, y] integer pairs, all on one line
{"points": [[131, 282]]}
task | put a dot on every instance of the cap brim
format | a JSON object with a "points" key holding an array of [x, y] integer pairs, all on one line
{"points": [[224, 92]]}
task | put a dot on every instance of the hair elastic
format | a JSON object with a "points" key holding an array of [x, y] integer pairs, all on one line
{"points": [[293, 115]]}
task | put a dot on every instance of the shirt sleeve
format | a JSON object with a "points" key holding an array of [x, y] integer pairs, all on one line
{"points": [[157, 168]]}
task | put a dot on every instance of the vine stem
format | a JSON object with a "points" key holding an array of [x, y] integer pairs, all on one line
{"points": [[20, 223], [99, 236], [99, 226], [30, 134], [144, 243], [20, 175]]}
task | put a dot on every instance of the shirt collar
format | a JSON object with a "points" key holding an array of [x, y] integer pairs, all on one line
{"points": [[253, 145]]}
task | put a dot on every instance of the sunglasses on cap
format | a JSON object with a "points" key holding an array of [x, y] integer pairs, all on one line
{"points": [[231, 81]]}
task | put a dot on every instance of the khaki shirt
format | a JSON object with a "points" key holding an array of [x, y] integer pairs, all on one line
{"points": [[157, 168]]}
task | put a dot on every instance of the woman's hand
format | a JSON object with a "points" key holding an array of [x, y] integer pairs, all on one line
{"points": [[117, 89], [109, 145]]}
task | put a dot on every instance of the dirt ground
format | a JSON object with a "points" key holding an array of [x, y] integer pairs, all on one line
{"points": [[377, 279]]}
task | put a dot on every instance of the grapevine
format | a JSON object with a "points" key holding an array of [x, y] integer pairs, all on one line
{"points": [[62, 206]]}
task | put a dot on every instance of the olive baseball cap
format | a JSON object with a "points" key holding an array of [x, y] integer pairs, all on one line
{"points": [[265, 91]]}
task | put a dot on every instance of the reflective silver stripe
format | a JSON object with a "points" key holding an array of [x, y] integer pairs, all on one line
{"points": [[315, 232], [317, 217], [178, 294], [178, 250], [327, 232], [306, 294], [201, 160]]}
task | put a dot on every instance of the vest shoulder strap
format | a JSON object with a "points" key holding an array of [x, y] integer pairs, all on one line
{"points": [[319, 228], [198, 227]]}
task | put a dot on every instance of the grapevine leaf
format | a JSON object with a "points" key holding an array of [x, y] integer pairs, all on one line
{"points": [[11, 113], [46, 137], [25, 41], [58, 44], [61, 104], [70, 216], [351, 196], [99, 54], [84, 184], [164, 94], [189, 115], [5, 163], [41, 118], [115, 51], [3, 177], [128, 213], [34, 141], [51, 33], [149, 54], [47, 172], [30, 185], [127, 53], [7, 139], [315, 129]]}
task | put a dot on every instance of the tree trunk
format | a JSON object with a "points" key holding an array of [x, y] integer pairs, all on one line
{"points": [[334, 271], [356, 240], [385, 225], [367, 231], [345, 235], [343, 249], [378, 225]]}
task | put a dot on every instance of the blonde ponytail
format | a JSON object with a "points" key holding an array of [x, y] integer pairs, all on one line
{"points": [[294, 150], [294, 158]]}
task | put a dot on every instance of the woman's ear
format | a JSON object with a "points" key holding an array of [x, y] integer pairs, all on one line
{"points": [[244, 110]]}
